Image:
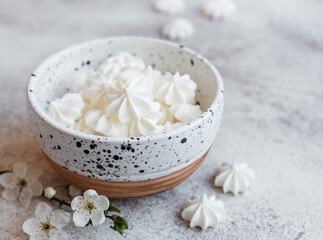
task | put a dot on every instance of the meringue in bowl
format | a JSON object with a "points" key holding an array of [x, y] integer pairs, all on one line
{"points": [[124, 159]]}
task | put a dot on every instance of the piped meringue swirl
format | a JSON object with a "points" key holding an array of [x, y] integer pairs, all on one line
{"points": [[125, 98], [67, 109]]}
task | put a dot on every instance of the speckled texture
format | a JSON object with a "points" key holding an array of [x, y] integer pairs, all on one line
{"points": [[270, 56], [125, 159]]}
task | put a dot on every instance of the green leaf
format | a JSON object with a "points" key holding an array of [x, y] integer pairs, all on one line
{"points": [[106, 212], [89, 223], [113, 209]]}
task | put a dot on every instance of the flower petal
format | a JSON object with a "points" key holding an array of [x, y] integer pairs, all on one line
{"points": [[40, 236], [60, 218], [36, 187], [8, 180], [102, 203], [57, 234], [78, 203], [10, 194], [25, 196], [20, 169], [81, 217], [42, 211], [33, 174], [97, 217], [32, 226], [90, 194]]}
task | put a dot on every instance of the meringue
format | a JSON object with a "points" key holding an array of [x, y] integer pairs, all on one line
{"points": [[147, 124], [67, 109], [185, 112], [203, 212], [124, 98], [234, 178], [97, 120], [113, 66], [170, 6], [179, 28], [128, 103], [176, 89], [218, 9]]}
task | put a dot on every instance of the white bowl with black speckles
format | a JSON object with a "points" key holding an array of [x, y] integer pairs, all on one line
{"points": [[124, 159]]}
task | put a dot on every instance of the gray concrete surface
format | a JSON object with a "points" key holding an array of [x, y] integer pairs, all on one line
{"points": [[271, 57]]}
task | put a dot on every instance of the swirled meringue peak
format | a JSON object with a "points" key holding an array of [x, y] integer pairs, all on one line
{"points": [[97, 120], [170, 6], [218, 9], [79, 80], [124, 98], [147, 124], [234, 178], [185, 112], [178, 28], [67, 109], [176, 89], [114, 65], [128, 103], [203, 211], [80, 126]]}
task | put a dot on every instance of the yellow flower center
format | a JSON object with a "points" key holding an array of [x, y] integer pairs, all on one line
{"points": [[22, 183], [46, 227], [89, 206]]}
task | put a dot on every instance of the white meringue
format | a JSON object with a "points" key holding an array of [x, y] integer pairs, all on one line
{"points": [[80, 126], [145, 80], [147, 124], [127, 104], [113, 66], [168, 126], [234, 178], [67, 109], [79, 80], [97, 120], [218, 9], [129, 73], [94, 91], [179, 28], [170, 6], [176, 89], [123, 98], [203, 212], [185, 112], [167, 116]]}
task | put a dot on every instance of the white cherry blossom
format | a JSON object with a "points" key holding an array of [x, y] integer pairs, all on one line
{"points": [[22, 183], [47, 224], [89, 207]]}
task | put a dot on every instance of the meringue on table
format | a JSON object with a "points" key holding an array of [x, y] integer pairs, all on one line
{"points": [[170, 6], [178, 28], [124, 98], [218, 9], [203, 211], [234, 178]]}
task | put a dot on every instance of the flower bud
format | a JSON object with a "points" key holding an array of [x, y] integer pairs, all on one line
{"points": [[50, 192]]}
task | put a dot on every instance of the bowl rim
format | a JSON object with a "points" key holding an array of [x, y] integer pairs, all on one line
{"points": [[89, 137]]}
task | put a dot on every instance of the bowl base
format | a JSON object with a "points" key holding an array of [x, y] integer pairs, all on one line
{"points": [[126, 189]]}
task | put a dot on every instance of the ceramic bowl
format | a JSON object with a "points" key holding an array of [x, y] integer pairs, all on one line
{"points": [[119, 160]]}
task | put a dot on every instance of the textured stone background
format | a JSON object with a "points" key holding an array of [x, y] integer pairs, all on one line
{"points": [[271, 57]]}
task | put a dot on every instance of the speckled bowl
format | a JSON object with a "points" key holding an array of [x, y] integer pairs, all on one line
{"points": [[124, 159]]}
